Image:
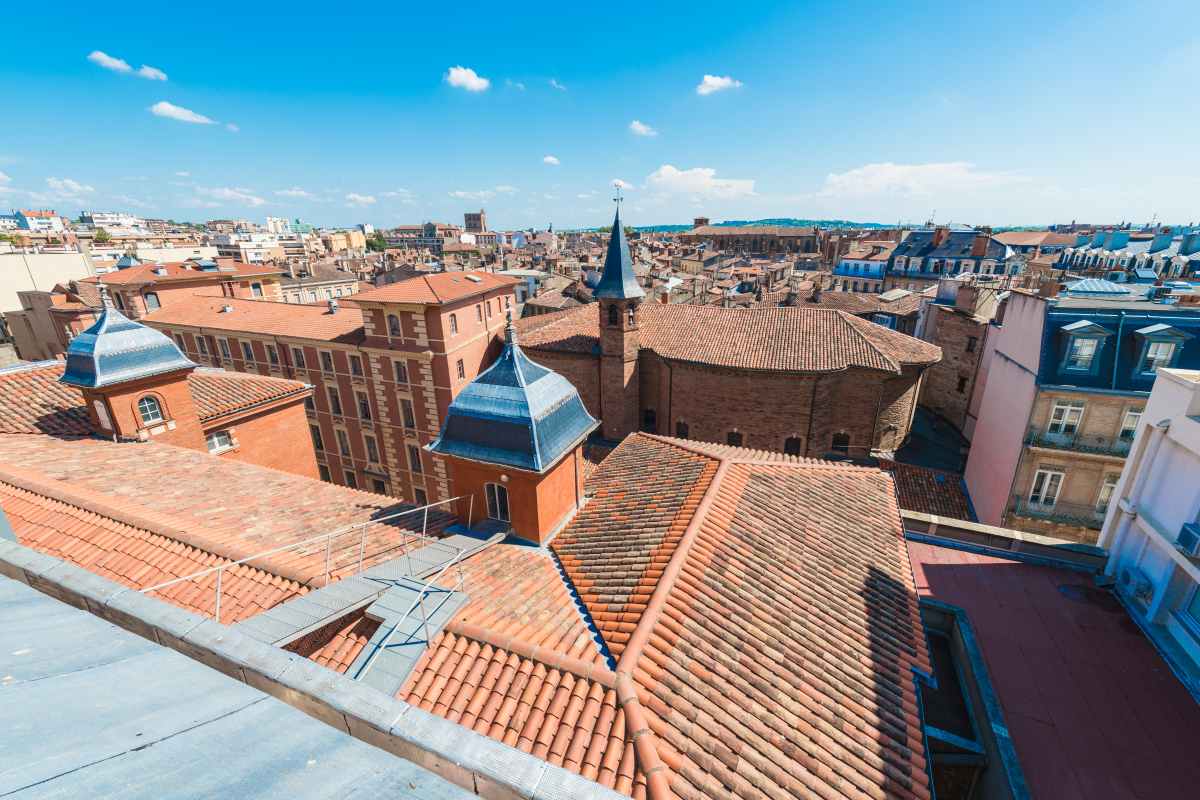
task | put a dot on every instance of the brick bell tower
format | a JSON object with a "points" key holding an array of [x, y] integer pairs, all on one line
{"points": [[620, 297]]}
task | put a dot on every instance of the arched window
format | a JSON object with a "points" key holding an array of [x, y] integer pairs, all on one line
{"points": [[733, 439], [681, 430], [148, 408], [453, 325], [631, 314], [841, 443], [614, 317], [808, 246], [791, 446], [649, 421], [152, 303], [394, 324], [497, 501]]}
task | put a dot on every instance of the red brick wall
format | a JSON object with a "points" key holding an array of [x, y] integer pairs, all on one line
{"points": [[620, 382], [537, 503], [275, 437], [939, 389], [174, 401]]}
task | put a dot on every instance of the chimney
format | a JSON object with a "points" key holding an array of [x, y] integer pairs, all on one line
{"points": [[227, 308], [816, 294], [291, 270], [979, 248], [939, 234]]}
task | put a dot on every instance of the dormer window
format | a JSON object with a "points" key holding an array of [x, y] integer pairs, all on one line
{"points": [[1160, 346], [1084, 342], [149, 409]]}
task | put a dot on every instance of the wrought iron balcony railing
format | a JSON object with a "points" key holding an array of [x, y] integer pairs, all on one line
{"points": [[1087, 516], [1081, 442]]}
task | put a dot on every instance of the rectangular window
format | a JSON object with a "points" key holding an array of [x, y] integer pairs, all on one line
{"points": [[364, 406], [1129, 428], [478, 315], [462, 374], [419, 497], [1082, 353], [335, 402], [1158, 354], [372, 449], [1106, 491], [355, 365], [218, 441], [323, 471], [247, 351], [343, 443], [316, 437], [497, 501], [224, 345], [971, 341], [272, 354], [1045, 487], [203, 345], [179, 340], [309, 405], [401, 372], [298, 357], [962, 385], [378, 486], [326, 361], [453, 325], [296, 297], [406, 411], [351, 480], [312, 296], [414, 458], [1065, 419], [487, 308]]}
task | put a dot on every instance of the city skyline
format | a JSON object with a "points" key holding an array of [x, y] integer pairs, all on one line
{"points": [[792, 112]]}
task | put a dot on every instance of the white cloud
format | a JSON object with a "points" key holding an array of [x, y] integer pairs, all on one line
{"points": [[127, 200], [484, 195], [585, 197], [108, 62], [4, 178], [180, 183], [67, 186], [511, 82], [152, 73], [232, 127], [909, 179], [712, 83], [641, 129], [359, 200], [699, 183], [551, 160], [165, 109], [549, 197], [465, 78], [240, 196], [557, 85], [135, 178], [620, 184], [508, 189], [297, 192], [184, 174], [400, 193]]}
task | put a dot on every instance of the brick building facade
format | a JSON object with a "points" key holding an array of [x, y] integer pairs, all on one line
{"points": [[960, 327], [384, 367]]}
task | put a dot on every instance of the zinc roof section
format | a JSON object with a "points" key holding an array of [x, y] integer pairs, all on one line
{"points": [[442, 287], [116, 349], [263, 318]]}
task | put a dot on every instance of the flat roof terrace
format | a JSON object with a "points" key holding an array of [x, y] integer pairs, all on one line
{"points": [[1093, 709]]}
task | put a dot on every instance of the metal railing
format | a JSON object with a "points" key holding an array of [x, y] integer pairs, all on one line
{"points": [[419, 602], [1081, 442], [328, 538], [1087, 516]]}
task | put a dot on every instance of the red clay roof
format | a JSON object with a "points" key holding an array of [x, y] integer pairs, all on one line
{"points": [[920, 490], [441, 287], [262, 317], [33, 401], [182, 271], [761, 606], [337, 644], [779, 339]]}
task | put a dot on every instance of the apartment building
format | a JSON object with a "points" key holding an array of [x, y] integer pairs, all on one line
{"points": [[249, 248], [384, 371], [864, 262], [1067, 384]]}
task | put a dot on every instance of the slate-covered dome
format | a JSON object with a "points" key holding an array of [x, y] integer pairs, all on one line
{"points": [[517, 414], [117, 349]]}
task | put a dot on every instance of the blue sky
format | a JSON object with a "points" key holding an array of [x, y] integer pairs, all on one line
{"points": [[1013, 114]]}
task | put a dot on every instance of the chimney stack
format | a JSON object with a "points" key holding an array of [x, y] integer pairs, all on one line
{"points": [[980, 247], [939, 234]]}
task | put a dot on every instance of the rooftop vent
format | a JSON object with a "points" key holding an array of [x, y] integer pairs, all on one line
{"points": [[160, 270], [475, 278], [333, 306], [227, 308]]}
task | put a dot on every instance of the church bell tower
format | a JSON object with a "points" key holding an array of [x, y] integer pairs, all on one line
{"points": [[620, 299]]}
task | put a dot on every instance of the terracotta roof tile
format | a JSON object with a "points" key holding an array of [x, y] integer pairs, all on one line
{"points": [[261, 317], [181, 271], [929, 491], [784, 339], [218, 392], [441, 287]]}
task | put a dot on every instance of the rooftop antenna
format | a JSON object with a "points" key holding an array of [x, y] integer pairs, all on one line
{"points": [[617, 199]]}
